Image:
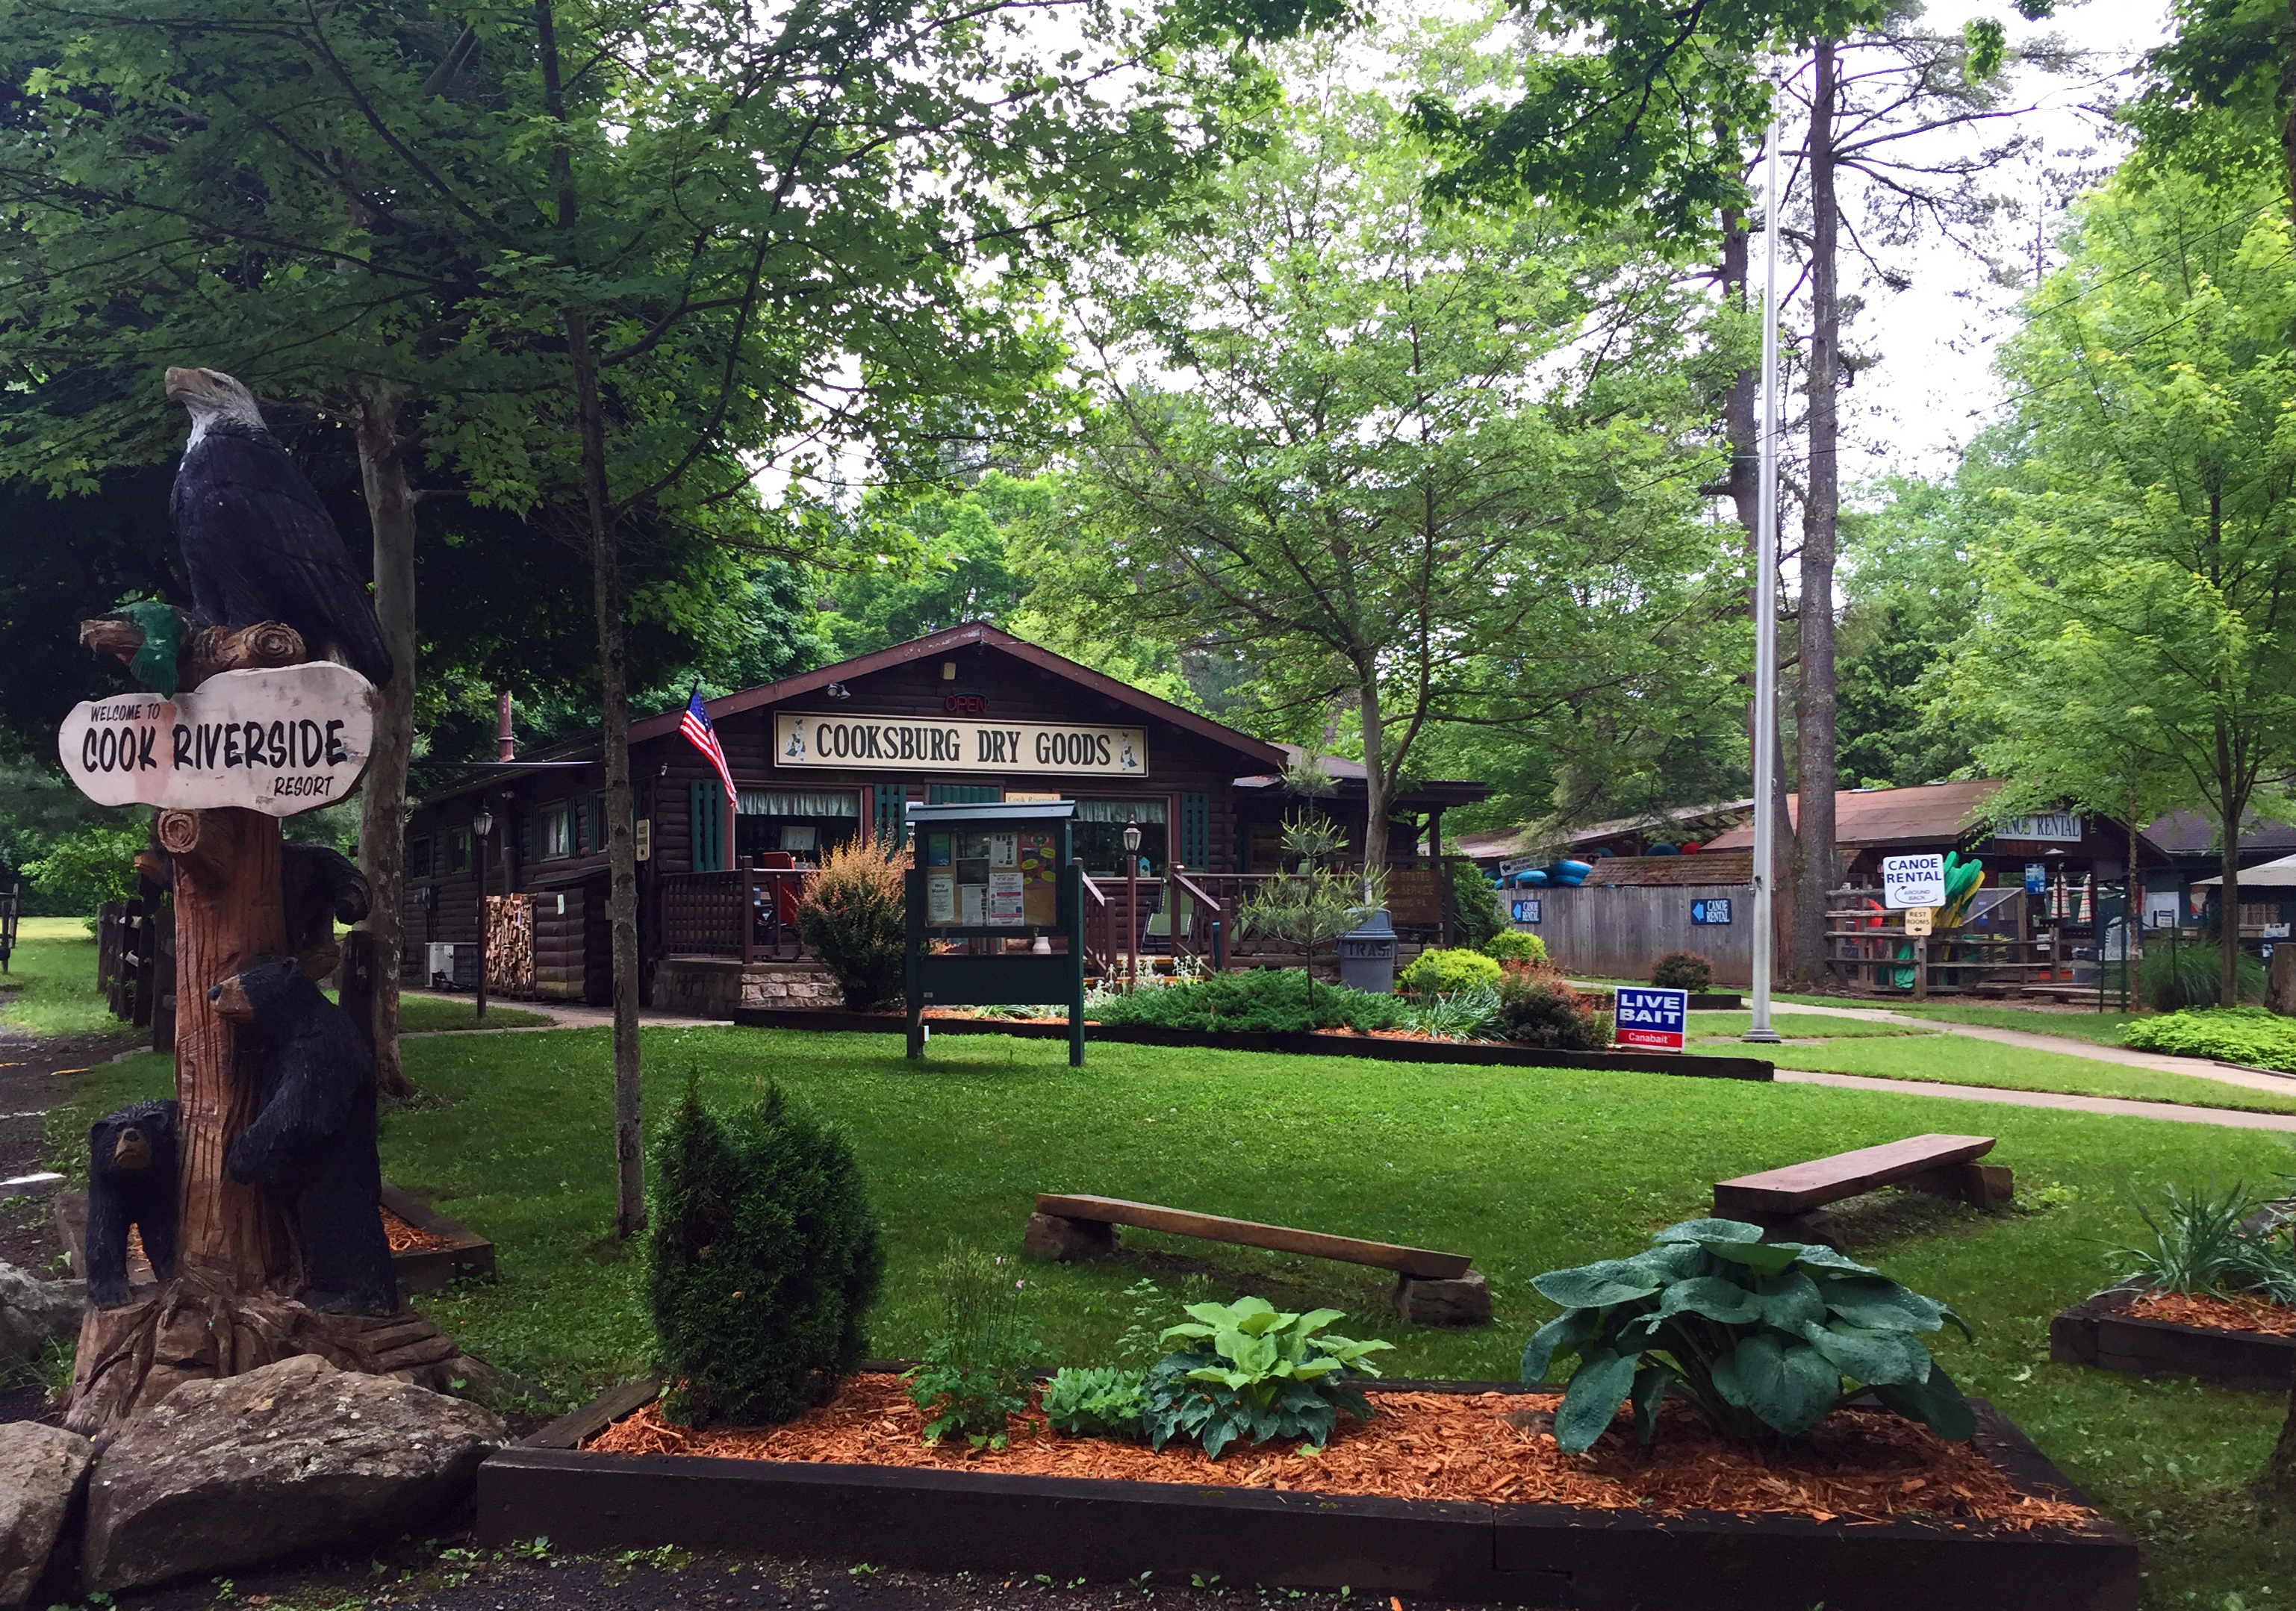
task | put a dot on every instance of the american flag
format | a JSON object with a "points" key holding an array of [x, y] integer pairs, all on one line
{"points": [[698, 732]]}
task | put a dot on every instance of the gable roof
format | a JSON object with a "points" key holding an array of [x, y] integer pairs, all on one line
{"points": [[1922, 813]]}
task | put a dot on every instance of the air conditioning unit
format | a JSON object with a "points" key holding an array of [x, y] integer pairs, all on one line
{"points": [[439, 966]]}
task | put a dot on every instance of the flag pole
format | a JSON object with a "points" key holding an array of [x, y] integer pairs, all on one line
{"points": [[1766, 616]]}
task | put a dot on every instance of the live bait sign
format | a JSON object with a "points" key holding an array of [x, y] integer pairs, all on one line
{"points": [[280, 742], [967, 744]]}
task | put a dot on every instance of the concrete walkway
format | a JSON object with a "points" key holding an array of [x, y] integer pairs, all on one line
{"points": [[2112, 1105], [2157, 1062], [563, 1014]]}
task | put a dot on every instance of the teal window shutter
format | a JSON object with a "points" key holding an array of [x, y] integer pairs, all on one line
{"points": [[1196, 830], [708, 815], [962, 794], [889, 819]]}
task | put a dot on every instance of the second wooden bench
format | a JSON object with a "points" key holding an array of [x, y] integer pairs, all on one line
{"points": [[1786, 1203], [1431, 1289]]}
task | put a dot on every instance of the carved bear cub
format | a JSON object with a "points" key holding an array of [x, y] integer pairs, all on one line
{"points": [[131, 1181], [312, 1143]]}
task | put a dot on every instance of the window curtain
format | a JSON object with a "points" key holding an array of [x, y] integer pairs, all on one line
{"points": [[800, 802], [1120, 811]]}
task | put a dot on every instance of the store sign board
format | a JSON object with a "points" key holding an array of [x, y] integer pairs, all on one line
{"points": [[914, 744], [1649, 1015], [1526, 910], [2049, 827], [1921, 921], [280, 741], [1913, 880], [1712, 910]]}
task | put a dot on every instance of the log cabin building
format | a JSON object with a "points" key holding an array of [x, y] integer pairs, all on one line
{"points": [[971, 713]]}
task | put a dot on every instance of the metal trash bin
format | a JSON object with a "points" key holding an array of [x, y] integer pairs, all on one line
{"points": [[1368, 954]]}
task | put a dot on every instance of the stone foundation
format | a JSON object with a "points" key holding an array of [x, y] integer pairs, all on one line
{"points": [[790, 984], [714, 987]]}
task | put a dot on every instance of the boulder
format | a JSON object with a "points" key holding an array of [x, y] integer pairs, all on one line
{"points": [[1465, 1301], [34, 1313], [41, 1469], [295, 1458]]}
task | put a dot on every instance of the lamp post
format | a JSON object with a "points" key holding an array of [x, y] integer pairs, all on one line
{"points": [[1132, 901], [1765, 619], [481, 826]]}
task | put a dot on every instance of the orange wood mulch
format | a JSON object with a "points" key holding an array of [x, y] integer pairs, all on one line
{"points": [[2217, 1314], [405, 1238], [1862, 1466]]}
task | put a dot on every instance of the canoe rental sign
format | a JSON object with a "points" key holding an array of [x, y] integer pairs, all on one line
{"points": [[281, 741]]}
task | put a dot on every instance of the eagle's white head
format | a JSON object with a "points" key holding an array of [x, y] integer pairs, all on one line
{"points": [[213, 397]]}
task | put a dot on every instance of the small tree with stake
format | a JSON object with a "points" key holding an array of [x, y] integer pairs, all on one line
{"points": [[1314, 904]]}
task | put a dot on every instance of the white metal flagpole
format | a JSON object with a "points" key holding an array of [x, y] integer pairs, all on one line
{"points": [[1766, 616]]}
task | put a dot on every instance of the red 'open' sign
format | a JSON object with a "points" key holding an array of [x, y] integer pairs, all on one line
{"points": [[965, 704]]}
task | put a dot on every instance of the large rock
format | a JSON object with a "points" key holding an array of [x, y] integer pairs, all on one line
{"points": [[34, 1313], [41, 1469], [296, 1458]]}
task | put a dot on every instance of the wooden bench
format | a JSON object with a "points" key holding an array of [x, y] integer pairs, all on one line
{"points": [[1430, 1287], [1787, 1202]]}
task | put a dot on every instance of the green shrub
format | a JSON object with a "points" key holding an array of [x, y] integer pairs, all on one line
{"points": [[1477, 905], [855, 921], [1255, 1373], [1756, 1336], [1101, 1401], [1539, 1009], [979, 1367], [1513, 945], [1448, 972], [2189, 972], [2252, 1035], [1684, 970], [1461, 1017], [764, 1258], [1262, 1001], [2201, 1244]]}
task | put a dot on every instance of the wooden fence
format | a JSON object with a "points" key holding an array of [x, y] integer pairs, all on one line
{"points": [[1618, 931]]}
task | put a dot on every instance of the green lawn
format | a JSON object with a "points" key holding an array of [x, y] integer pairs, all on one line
{"points": [[422, 1012], [2102, 1028], [1526, 1170], [1958, 1060], [1719, 1026], [53, 972]]}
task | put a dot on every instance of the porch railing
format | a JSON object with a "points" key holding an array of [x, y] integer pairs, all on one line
{"points": [[748, 912]]}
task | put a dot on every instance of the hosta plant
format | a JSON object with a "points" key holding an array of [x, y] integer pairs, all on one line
{"points": [[1254, 1372], [1760, 1337], [1095, 1401]]}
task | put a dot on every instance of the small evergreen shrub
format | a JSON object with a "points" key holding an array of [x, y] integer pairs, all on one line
{"points": [[1540, 1010], [854, 919], [2178, 974], [1262, 1001], [1684, 970], [1513, 945], [2254, 1036], [764, 1259], [1447, 972]]}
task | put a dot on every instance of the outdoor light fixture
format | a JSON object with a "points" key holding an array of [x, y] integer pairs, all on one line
{"points": [[838, 691], [1132, 834], [1132, 900], [948, 671], [483, 823]]}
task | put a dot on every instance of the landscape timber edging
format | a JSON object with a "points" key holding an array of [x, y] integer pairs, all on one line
{"points": [[1534, 1555], [1477, 1054], [468, 1256], [2101, 1332]]}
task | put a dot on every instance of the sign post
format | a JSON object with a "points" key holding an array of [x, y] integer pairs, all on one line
{"points": [[1650, 1016]]}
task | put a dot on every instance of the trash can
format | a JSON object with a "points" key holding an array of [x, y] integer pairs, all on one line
{"points": [[1367, 955]]}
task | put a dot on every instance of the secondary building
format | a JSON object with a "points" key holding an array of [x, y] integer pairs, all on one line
{"points": [[973, 713]]}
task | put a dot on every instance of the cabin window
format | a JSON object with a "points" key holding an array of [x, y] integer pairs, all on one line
{"points": [[798, 823], [418, 857], [1099, 835], [557, 830], [458, 851]]}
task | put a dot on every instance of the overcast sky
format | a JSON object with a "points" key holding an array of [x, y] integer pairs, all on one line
{"points": [[1934, 387]]}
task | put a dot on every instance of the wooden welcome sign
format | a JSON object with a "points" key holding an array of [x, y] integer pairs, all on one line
{"points": [[279, 741]]}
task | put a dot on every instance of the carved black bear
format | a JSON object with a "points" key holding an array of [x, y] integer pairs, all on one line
{"points": [[312, 1143], [319, 887], [131, 1181]]}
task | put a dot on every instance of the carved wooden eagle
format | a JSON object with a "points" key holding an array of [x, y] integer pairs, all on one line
{"points": [[258, 543]]}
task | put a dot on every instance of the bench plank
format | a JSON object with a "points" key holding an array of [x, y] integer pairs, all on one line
{"points": [[1419, 1262], [1797, 1187]]}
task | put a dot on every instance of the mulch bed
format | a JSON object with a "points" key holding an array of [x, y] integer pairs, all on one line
{"points": [[405, 1238], [1861, 1465], [2217, 1314]]}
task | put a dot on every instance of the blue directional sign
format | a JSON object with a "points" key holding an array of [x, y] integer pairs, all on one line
{"points": [[1713, 910], [1526, 910]]}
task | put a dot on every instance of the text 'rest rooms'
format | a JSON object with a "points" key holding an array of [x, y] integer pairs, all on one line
{"points": [[126, 739]]}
